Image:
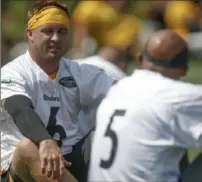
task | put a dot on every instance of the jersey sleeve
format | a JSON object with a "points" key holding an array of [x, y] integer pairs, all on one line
{"points": [[188, 123], [93, 85], [13, 83]]}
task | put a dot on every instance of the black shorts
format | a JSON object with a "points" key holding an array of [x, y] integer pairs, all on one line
{"points": [[79, 168]]}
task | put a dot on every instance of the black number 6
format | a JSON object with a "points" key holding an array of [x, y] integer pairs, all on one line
{"points": [[53, 128], [111, 134]]}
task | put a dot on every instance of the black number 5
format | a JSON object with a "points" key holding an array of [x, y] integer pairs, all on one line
{"points": [[53, 128], [111, 134]]}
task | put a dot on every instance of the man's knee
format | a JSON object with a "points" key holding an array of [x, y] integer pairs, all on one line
{"points": [[26, 152], [26, 149]]}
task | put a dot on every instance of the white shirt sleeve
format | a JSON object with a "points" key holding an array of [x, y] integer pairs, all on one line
{"points": [[188, 124], [93, 85], [12, 83]]}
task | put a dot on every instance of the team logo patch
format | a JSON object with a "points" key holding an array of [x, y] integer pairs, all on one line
{"points": [[68, 82]]}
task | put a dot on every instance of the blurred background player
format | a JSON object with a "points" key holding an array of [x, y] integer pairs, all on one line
{"points": [[113, 59], [119, 48], [93, 21], [115, 34]]}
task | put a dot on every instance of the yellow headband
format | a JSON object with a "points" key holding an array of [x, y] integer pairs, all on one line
{"points": [[49, 14]]}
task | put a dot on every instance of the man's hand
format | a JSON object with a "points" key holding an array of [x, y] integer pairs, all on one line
{"points": [[52, 161]]}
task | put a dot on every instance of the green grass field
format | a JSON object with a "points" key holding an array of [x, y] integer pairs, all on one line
{"points": [[195, 76], [195, 72]]}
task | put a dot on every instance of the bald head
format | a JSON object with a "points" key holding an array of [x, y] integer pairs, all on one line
{"points": [[165, 44], [167, 53]]}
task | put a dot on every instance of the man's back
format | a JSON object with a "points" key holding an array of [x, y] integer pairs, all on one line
{"points": [[143, 128]]}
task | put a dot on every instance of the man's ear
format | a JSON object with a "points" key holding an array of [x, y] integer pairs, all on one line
{"points": [[139, 58], [30, 34], [183, 71]]}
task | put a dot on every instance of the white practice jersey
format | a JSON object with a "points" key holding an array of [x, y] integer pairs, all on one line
{"points": [[57, 101], [87, 118], [108, 67], [143, 127]]}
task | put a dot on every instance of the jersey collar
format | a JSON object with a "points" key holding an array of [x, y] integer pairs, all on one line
{"points": [[39, 72]]}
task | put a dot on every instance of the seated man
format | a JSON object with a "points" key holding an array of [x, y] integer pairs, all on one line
{"points": [[43, 93]]}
